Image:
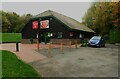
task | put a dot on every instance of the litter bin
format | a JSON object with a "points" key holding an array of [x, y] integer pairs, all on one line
{"points": [[17, 46]]}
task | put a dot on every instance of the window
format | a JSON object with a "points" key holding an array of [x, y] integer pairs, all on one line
{"points": [[59, 34], [71, 34]]}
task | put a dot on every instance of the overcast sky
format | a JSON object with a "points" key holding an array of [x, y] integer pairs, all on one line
{"points": [[75, 10]]}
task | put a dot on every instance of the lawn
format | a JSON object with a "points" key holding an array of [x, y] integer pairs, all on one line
{"points": [[14, 67], [10, 37]]}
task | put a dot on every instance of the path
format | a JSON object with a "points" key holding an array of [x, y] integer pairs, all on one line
{"points": [[26, 52]]}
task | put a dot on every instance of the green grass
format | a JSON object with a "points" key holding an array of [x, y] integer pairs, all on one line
{"points": [[14, 67], [0, 65], [0, 37], [10, 37]]}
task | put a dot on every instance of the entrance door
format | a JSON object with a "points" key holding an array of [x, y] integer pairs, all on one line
{"points": [[44, 37]]}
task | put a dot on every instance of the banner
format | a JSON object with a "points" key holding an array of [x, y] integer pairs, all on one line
{"points": [[35, 25], [44, 24]]}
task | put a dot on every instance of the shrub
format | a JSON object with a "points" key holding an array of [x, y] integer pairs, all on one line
{"points": [[114, 36]]}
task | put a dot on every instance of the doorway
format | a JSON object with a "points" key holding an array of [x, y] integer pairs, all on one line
{"points": [[44, 38]]}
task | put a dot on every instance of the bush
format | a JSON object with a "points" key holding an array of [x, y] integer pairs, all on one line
{"points": [[114, 36], [85, 43], [106, 37]]}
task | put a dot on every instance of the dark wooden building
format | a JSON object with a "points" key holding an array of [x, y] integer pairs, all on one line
{"points": [[54, 27]]}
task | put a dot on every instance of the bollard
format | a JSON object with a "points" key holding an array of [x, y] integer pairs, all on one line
{"points": [[17, 46], [70, 44], [49, 50], [79, 44], [38, 45], [61, 47]]}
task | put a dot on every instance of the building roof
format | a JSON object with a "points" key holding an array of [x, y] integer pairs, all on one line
{"points": [[70, 22]]}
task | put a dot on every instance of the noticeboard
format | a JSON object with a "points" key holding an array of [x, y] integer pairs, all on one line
{"points": [[35, 25], [44, 24]]}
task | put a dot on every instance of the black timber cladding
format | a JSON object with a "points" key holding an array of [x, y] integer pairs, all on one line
{"points": [[55, 27], [57, 23]]}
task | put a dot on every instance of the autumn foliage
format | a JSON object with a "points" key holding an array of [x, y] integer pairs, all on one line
{"points": [[103, 16]]}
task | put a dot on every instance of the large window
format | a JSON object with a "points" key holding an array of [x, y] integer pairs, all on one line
{"points": [[59, 34]]}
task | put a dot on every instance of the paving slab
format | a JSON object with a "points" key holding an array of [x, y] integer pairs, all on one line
{"points": [[26, 51]]}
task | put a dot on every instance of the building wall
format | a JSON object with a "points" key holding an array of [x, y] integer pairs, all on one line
{"points": [[65, 41], [55, 26], [28, 32], [54, 41], [27, 41]]}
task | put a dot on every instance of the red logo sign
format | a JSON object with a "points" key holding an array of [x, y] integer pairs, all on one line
{"points": [[35, 24]]}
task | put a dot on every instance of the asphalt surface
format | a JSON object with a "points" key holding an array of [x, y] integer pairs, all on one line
{"points": [[80, 62]]}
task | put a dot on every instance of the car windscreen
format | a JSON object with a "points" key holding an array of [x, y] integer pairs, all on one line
{"points": [[96, 38]]}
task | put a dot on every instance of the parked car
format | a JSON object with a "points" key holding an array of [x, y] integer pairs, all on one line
{"points": [[97, 41]]}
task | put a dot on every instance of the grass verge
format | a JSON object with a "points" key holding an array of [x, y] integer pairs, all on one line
{"points": [[14, 67]]}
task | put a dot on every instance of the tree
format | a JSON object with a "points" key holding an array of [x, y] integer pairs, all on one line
{"points": [[102, 17], [5, 23], [24, 19], [0, 21], [12, 22], [116, 15]]}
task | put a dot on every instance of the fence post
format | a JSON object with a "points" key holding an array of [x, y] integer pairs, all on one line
{"points": [[61, 47], [38, 44], [70, 44], [76, 44], [49, 50]]}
